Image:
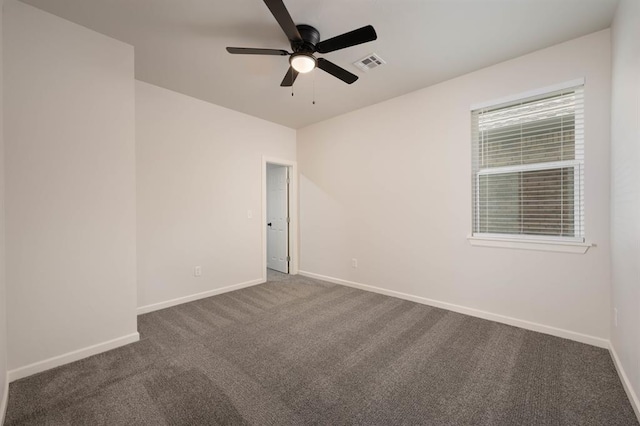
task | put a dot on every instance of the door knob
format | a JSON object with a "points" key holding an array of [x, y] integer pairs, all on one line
{"points": [[269, 224]]}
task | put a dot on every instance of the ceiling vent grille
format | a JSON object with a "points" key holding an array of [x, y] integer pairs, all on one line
{"points": [[369, 62]]}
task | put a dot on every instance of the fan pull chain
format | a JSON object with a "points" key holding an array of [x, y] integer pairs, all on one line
{"points": [[314, 87]]}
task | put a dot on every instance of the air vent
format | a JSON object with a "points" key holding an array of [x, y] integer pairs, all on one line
{"points": [[369, 62]]}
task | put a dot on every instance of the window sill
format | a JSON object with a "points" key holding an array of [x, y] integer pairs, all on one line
{"points": [[557, 246]]}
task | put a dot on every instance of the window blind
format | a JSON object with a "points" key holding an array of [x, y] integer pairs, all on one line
{"points": [[528, 167]]}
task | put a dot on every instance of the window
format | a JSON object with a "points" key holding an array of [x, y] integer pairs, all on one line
{"points": [[528, 168]]}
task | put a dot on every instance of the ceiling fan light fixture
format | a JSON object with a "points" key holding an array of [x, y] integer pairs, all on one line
{"points": [[303, 62], [305, 41]]}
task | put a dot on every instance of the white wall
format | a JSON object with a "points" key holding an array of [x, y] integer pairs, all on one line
{"points": [[70, 190], [198, 172], [3, 292], [390, 185], [625, 189]]}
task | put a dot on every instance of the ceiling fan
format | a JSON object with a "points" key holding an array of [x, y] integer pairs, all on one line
{"points": [[305, 41]]}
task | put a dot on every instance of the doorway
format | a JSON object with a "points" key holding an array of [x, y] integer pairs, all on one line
{"points": [[278, 218]]}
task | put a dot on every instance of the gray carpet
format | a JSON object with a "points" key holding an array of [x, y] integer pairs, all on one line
{"points": [[297, 351]]}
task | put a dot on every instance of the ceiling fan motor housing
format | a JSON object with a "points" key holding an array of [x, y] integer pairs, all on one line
{"points": [[310, 37]]}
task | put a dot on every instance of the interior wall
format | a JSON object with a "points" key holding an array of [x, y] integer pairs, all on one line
{"points": [[3, 292], [625, 190], [390, 186], [199, 170], [70, 190]]}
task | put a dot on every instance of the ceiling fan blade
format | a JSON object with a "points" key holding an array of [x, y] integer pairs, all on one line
{"points": [[280, 12], [336, 71], [289, 78], [255, 51], [352, 38]]}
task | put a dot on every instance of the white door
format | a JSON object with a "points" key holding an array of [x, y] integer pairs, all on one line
{"points": [[277, 218]]}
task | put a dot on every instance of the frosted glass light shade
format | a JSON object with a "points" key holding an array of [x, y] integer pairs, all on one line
{"points": [[302, 62]]}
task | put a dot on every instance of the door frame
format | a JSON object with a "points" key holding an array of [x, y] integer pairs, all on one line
{"points": [[293, 213]]}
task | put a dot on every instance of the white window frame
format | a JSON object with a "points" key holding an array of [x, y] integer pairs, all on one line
{"points": [[521, 241]]}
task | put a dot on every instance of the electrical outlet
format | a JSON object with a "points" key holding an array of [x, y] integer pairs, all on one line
{"points": [[249, 214], [197, 271], [615, 317], [354, 263]]}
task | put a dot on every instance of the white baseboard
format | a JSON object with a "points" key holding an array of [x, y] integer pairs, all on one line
{"points": [[628, 388], [47, 364], [180, 300], [528, 325], [5, 400]]}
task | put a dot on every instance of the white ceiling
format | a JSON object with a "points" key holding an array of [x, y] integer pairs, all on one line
{"points": [[180, 45]]}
